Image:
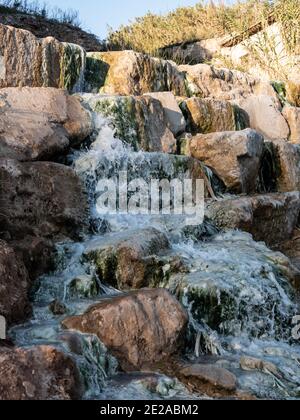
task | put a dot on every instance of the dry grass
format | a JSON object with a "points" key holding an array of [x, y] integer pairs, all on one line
{"points": [[152, 32]]}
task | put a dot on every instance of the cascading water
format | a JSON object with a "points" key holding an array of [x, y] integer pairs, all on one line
{"points": [[236, 291]]}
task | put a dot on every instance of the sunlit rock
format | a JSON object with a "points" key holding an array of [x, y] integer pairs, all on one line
{"points": [[132, 73], [271, 218], [40, 123], [140, 328], [139, 121], [233, 156]]}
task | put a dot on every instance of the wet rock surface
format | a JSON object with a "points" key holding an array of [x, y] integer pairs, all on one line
{"points": [[221, 303], [138, 120], [209, 115], [139, 328], [271, 218], [14, 286], [38, 373], [129, 260], [132, 73]]}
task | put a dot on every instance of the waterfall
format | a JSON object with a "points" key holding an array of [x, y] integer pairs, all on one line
{"points": [[239, 301]]}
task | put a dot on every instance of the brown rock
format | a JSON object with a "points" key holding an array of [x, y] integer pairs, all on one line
{"points": [[132, 73], [209, 115], [138, 120], [286, 157], [129, 260], [208, 81], [271, 218], [14, 286], [41, 199], [173, 114], [37, 253], [292, 115], [39, 123], [38, 373], [233, 156], [28, 61], [211, 378], [140, 328], [265, 116]]}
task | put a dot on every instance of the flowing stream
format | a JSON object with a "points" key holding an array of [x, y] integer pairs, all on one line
{"points": [[236, 291]]}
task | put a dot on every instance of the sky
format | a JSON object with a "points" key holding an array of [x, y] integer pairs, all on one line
{"points": [[96, 15]]}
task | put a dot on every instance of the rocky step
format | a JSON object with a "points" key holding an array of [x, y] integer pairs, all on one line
{"points": [[14, 286], [132, 73], [29, 61], [38, 373], [270, 218], [228, 286], [40, 123], [140, 121], [129, 260], [234, 156], [139, 328], [209, 115]]}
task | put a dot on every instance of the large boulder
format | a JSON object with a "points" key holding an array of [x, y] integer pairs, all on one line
{"points": [[286, 158], [271, 218], [38, 373], [138, 120], [132, 73], [28, 61], [292, 115], [39, 123], [14, 286], [265, 116], [208, 81], [40, 199], [173, 114], [234, 156], [209, 115], [140, 328], [129, 260]]}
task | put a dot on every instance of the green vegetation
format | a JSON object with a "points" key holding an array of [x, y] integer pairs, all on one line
{"points": [[36, 8], [152, 32]]}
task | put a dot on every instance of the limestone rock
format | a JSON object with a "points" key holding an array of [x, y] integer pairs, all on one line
{"points": [[233, 156], [28, 61], [271, 218], [265, 117], [209, 115], [140, 328], [38, 373], [132, 73], [41, 199], [129, 260], [173, 114], [14, 286], [292, 115], [39, 123], [286, 157], [205, 81], [140, 121]]}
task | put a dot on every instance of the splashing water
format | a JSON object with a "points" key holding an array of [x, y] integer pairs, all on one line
{"points": [[236, 291]]}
